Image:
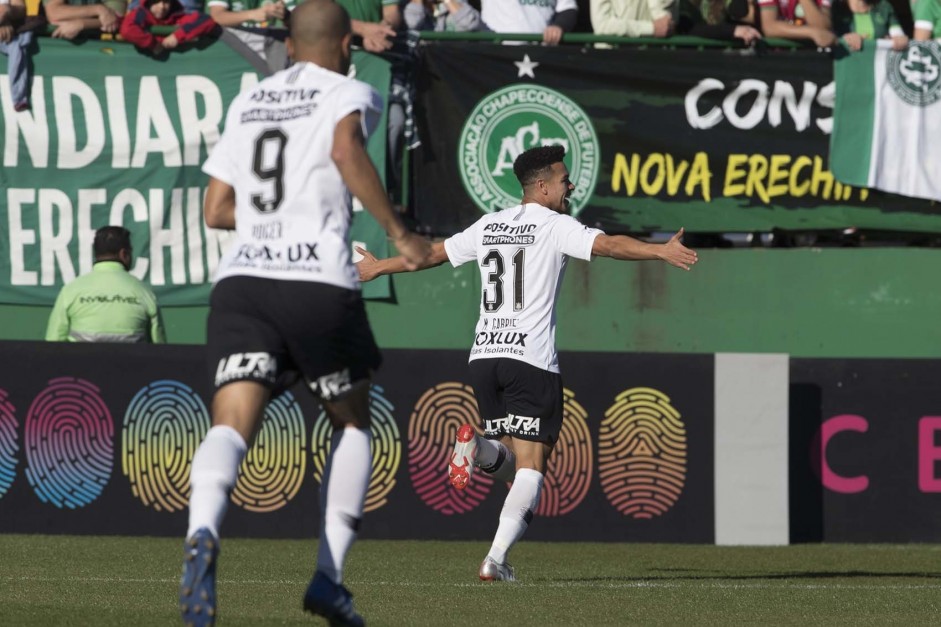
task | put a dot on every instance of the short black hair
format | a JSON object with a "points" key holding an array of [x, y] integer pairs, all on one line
{"points": [[111, 240], [536, 161]]}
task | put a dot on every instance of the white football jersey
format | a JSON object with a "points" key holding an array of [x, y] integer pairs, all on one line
{"points": [[522, 253], [292, 208], [521, 16]]}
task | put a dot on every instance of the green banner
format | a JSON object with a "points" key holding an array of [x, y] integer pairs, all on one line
{"points": [[116, 137], [656, 139]]}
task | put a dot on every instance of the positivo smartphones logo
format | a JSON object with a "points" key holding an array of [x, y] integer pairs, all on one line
{"points": [[514, 119]]}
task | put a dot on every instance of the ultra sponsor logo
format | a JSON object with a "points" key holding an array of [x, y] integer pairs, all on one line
{"points": [[238, 366], [915, 73], [513, 119], [512, 424]]}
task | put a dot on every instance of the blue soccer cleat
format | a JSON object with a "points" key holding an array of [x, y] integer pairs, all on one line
{"points": [[332, 601], [198, 584]]}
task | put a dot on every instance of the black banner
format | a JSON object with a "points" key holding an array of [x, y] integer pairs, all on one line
{"points": [[98, 439], [710, 140], [865, 450]]}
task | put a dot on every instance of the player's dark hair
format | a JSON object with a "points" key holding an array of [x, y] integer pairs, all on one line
{"points": [[111, 240], [535, 162]]}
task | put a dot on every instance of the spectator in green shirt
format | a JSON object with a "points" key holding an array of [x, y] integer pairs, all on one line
{"points": [[855, 21], [375, 21], [108, 304], [927, 15]]}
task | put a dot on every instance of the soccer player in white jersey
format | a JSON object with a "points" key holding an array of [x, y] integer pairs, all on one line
{"points": [[286, 303], [522, 253]]}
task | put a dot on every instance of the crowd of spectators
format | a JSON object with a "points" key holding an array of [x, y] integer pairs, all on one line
{"points": [[381, 26], [376, 23]]}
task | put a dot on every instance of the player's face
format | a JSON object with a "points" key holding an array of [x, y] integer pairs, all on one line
{"points": [[559, 188]]}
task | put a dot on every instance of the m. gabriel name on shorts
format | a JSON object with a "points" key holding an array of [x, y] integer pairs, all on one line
{"points": [[504, 338]]}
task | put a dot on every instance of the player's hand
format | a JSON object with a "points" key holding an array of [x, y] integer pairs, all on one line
{"points": [[377, 37], [552, 35], [368, 266], [414, 248], [675, 254]]}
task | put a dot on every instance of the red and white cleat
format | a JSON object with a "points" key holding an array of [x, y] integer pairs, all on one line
{"points": [[461, 466]]}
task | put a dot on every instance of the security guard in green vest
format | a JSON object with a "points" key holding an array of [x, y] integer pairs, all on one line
{"points": [[108, 304]]}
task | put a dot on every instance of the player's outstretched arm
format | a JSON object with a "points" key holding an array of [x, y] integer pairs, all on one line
{"points": [[350, 156], [627, 248], [370, 267]]}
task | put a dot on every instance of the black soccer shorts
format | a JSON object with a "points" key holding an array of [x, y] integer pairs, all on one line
{"points": [[273, 331], [517, 399]]}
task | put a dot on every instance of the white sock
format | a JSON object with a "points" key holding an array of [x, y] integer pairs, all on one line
{"points": [[517, 512], [495, 459], [213, 475], [342, 494]]}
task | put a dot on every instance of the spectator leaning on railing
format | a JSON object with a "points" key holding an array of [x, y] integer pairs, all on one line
{"points": [[632, 18], [857, 20], [15, 45], [719, 19], [258, 24], [552, 18], [927, 15], [374, 21], [445, 15], [136, 25], [71, 17], [797, 19]]}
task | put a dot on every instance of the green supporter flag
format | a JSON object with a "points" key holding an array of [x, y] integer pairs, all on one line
{"points": [[116, 137], [887, 119]]}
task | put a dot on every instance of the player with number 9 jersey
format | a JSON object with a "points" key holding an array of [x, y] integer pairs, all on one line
{"points": [[293, 209]]}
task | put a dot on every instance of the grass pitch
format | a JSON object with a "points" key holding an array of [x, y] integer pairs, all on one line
{"points": [[101, 581]]}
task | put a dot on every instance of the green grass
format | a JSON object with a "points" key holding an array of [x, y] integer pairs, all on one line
{"points": [[100, 581]]}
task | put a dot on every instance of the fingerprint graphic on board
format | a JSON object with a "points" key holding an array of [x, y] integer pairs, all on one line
{"points": [[432, 428], [163, 425], [8, 445], [273, 469], [69, 439], [642, 453], [568, 474], [386, 449]]}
